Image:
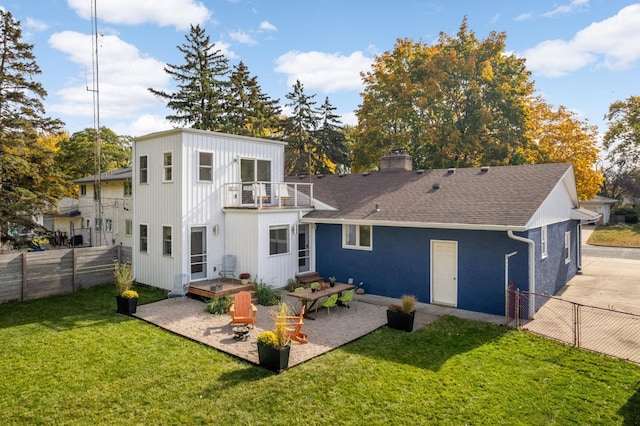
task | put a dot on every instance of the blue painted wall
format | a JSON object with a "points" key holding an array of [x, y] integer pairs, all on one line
{"points": [[552, 272], [400, 263]]}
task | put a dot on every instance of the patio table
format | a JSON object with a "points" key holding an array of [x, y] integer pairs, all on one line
{"points": [[310, 299]]}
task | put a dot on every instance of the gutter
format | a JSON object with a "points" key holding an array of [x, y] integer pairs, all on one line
{"points": [[532, 269]]}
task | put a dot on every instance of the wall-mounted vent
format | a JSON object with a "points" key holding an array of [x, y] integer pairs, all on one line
{"points": [[484, 169], [436, 185], [451, 171]]}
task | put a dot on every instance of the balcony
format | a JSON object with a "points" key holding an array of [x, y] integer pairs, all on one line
{"points": [[267, 194]]}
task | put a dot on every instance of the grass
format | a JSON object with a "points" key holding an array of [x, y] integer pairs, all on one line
{"points": [[72, 360], [618, 235]]}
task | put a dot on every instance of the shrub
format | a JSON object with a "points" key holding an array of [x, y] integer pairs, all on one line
{"points": [[266, 295], [630, 215], [268, 338], [291, 285], [123, 275], [219, 305], [408, 304], [129, 294]]}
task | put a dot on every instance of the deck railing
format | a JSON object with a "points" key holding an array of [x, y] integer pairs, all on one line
{"points": [[268, 194]]}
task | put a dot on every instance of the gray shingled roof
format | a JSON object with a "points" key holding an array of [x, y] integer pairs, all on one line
{"points": [[119, 174], [501, 196]]}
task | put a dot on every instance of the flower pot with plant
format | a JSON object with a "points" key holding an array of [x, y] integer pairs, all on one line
{"points": [[274, 346], [126, 299], [332, 281], [401, 316], [244, 277]]}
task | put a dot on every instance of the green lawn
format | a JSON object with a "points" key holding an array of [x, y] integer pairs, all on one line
{"points": [[72, 360], [619, 235]]}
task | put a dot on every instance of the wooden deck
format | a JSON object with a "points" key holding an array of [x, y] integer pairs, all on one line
{"points": [[219, 287]]}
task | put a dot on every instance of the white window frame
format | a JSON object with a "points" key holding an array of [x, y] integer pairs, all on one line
{"points": [[567, 247], [167, 244], [204, 167], [128, 227], [108, 225], [83, 190], [358, 245], [167, 166], [98, 224], [143, 238], [144, 171], [543, 242], [287, 233], [128, 188]]}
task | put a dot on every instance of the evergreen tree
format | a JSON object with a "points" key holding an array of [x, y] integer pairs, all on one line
{"points": [[30, 180], [332, 152], [250, 112], [201, 101], [299, 131]]}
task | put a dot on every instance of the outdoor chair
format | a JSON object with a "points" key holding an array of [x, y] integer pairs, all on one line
{"points": [[180, 286], [345, 299], [293, 325], [243, 311], [315, 286], [228, 266], [330, 302]]}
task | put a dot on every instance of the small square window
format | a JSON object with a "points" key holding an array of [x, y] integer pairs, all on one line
{"points": [[279, 239], [357, 237]]}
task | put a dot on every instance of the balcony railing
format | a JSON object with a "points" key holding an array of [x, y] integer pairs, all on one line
{"points": [[268, 194]]}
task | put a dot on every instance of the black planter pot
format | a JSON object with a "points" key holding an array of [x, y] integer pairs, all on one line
{"points": [[273, 359], [399, 320], [126, 306]]}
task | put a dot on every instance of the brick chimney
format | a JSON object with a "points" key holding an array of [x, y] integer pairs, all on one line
{"points": [[396, 159]]}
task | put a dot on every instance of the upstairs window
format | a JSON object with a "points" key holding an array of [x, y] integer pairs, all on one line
{"points": [[357, 237], [167, 164], [128, 189], [128, 227], [144, 169], [205, 167], [83, 190]]}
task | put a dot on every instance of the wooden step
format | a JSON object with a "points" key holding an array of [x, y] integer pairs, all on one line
{"points": [[308, 278]]}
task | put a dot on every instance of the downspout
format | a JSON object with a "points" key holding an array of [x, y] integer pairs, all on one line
{"points": [[579, 250], [532, 269], [506, 284]]}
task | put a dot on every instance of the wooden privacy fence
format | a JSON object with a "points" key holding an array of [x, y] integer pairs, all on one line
{"points": [[26, 276]]}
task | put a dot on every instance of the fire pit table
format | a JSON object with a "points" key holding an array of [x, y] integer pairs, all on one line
{"points": [[241, 332]]}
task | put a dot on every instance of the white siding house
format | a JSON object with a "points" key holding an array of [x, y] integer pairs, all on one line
{"points": [[200, 195]]}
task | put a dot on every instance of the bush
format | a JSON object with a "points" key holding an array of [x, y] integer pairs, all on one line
{"points": [[630, 215], [268, 338], [266, 295], [291, 285], [219, 305]]}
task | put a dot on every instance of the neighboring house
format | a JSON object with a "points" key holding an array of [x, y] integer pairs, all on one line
{"points": [[63, 221], [453, 237], [110, 221], [601, 205], [200, 195]]}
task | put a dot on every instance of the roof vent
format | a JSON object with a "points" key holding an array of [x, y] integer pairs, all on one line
{"points": [[484, 169], [436, 185], [451, 171]]}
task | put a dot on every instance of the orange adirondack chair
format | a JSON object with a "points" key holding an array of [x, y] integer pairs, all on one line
{"points": [[243, 311], [293, 325]]}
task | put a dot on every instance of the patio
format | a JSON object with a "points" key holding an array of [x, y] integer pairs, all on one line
{"points": [[187, 317]]}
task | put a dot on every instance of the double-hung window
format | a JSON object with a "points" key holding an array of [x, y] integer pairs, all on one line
{"points": [[357, 237], [167, 164], [543, 241], [128, 227], [278, 239], [144, 239], [205, 166], [144, 168], [128, 188], [166, 241], [83, 190], [567, 247]]}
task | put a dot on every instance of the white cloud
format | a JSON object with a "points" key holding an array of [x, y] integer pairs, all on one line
{"points": [[242, 37], [178, 13], [35, 25], [575, 5], [613, 43], [267, 26], [143, 125], [324, 71], [225, 49], [124, 76]]}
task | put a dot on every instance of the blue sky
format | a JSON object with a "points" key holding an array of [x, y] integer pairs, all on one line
{"points": [[584, 54]]}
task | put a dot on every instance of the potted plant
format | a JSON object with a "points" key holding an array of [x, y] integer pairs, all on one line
{"points": [[401, 316], [244, 277], [274, 346], [332, 281], [127, 299]]}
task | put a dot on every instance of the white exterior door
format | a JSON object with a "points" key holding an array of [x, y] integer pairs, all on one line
{"points": [[444, 272], [198, 253], [303, 248]]}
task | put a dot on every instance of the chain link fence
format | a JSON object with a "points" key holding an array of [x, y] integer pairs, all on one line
{"points": [[606, 331]]}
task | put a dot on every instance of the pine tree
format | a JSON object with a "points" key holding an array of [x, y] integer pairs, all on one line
{"points": [[250, 112], [332, 145], [30, 181], [202, 98], [299, 131]]}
